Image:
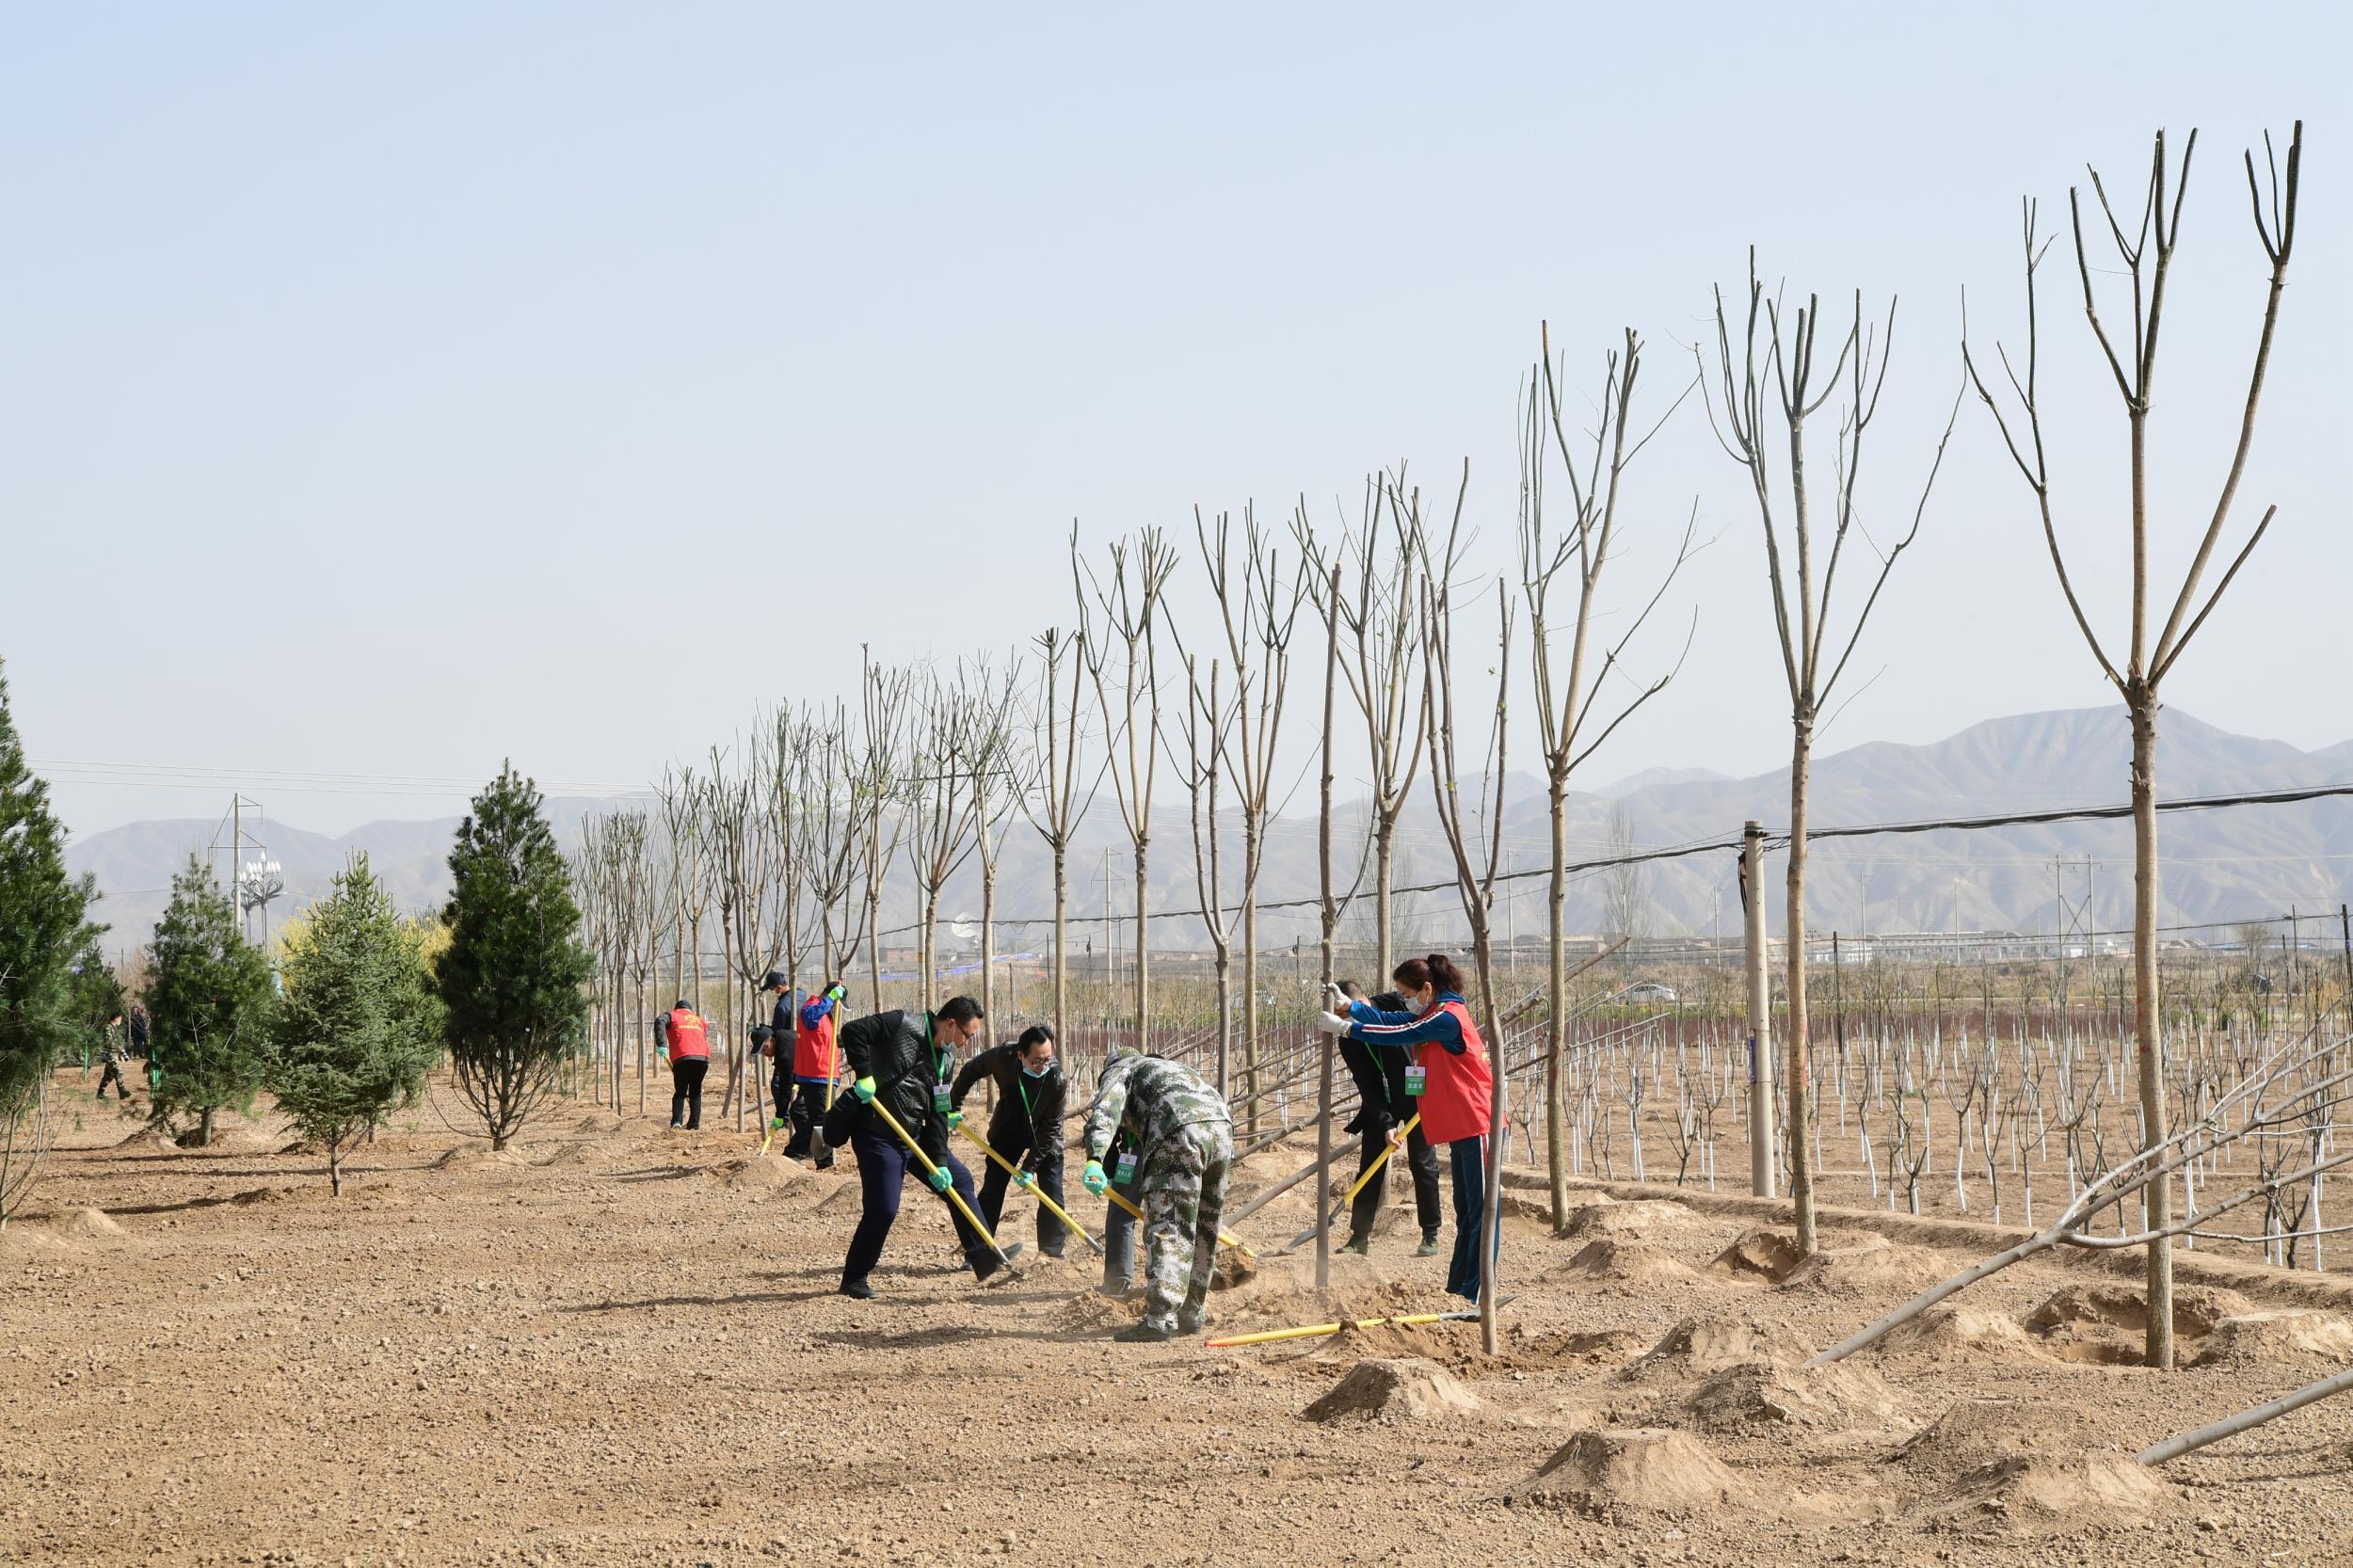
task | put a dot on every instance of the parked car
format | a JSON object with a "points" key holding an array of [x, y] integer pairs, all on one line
{"points": [[1649, 990]]}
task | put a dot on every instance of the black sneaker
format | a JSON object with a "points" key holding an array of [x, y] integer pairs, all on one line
{"points": [[1054, 1252], [1362, 1247], [1144, 1334], [1188, 1326], [1429, 1247], [858, 1289]]}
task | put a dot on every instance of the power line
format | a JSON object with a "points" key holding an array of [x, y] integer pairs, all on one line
{"points": [[1773, 842]]}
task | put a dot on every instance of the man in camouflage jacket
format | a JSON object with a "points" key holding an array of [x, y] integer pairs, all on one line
{"points": [[1181, 1136]]}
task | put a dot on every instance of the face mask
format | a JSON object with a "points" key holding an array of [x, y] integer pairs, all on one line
{"points": [[1028, 1071]]}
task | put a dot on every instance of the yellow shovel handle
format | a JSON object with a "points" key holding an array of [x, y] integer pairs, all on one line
{"points": [[1035, 1190], [1310, 1331], [1226, 1237], [1382, 1157], [929, 1166]]}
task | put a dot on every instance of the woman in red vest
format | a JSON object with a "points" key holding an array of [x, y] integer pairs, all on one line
{"points": [[1454, 1087], [686, 1041]]}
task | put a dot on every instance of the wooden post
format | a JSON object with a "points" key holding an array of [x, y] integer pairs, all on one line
{"points": [[1761, 1118]]}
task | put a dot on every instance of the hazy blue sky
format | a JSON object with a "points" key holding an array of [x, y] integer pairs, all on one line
{"points": [[390, 390]]}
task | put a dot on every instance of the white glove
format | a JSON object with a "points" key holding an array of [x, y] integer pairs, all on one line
{"points": [[1339, 999], [1331, 1023]]}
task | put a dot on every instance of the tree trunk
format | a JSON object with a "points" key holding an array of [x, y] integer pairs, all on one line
{"points": [[1794, 1049], [1250, 1008], [1499, 1136], [1557, 990], [334, 1169], [2157, 1198], [988, 950], [1143, 954], [1062, 944]]}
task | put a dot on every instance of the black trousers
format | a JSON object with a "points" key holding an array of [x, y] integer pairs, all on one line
{"points": [[1420, 1159], [1010, 1136], [686, 1090], [807, 1113], [1119, 1250], [883, 1167]]}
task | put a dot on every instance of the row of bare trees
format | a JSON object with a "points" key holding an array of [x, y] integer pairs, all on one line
{"points": [[789, 839]]}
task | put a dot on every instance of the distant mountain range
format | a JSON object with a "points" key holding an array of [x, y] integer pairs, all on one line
{"points": [[2219, 865]]}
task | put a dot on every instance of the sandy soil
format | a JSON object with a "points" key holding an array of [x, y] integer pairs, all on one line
{"points": [[616, 1344]]}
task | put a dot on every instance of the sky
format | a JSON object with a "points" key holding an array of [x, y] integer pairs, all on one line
{"points": [[391, 391]]}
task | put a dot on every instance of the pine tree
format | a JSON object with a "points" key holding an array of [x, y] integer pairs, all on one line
{"points": [[44, 930], [513, 979], [209, 1004], [357, 1025]]}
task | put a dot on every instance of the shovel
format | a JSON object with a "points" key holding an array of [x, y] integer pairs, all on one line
{"points": [[954, 1196], [1039, 1193], [1380, 1161]]}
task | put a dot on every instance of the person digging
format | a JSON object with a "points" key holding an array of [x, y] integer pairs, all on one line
{"points": [[1026, 1127], [1384, 1104], [1181, 1137], [902, 1064]]}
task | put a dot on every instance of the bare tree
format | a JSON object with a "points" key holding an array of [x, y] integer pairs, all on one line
{"points": [[1473, 835], [1626, 910], [885, 698], [942, 800], [1568, 728], [1123, 663], [998, 768], [1258, 610], [1054, 802], [1383, 669], [1209, 723], [2147, 254], [1770, 392]]}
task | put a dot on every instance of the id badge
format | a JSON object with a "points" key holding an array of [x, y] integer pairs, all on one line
{"points": [[939, 1099], [1127, 1172], [1416, 1078]]}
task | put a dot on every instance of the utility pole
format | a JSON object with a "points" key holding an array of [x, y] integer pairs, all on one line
{"points": [[1762, 1134]]}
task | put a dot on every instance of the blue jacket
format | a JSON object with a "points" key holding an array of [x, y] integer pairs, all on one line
{"points": [[1404, 1030]]}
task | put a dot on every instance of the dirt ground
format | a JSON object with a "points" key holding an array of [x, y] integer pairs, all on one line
{"points": [[618, 1344]]}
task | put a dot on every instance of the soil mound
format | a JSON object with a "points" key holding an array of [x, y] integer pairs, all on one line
{"points": [[578, 1151], [845, 1197], [1762, 1396], [2197, 1308], [91, 1224], [1763, 1254], [2053, 1490], [1635, 1221], [473, 1158], [1442, 1343], [1610, 1346], [1885, 1270], [147, 1137], [756, 1174], [2279, 1338], [1393, 1391], [1980, 1434], [253, 1195], [1949, 1333], [1627, 1262], [1642, 1470], [1698, 1347]]}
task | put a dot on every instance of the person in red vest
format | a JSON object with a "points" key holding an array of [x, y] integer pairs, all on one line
{"points": [[816, 1066], [686, 1040], [1448, 1076]]}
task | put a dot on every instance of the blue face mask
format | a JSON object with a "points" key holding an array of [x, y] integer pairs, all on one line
{"points": [[1028, 1071]]}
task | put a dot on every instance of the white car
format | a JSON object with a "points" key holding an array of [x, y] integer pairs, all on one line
{"points": [[1649, 990]]}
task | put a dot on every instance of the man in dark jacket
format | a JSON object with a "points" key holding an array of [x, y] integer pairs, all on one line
{"points": [[904, 1061], [1385, 1104], [1025, 1129]]}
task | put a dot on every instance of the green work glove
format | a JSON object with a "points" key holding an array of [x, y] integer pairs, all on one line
{"points": [[1023, 1179], [941, 1180], [955, 1120], [776, 1123], [1094, 1178], [837, 993], [661, 1053], [864, 1089]]}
